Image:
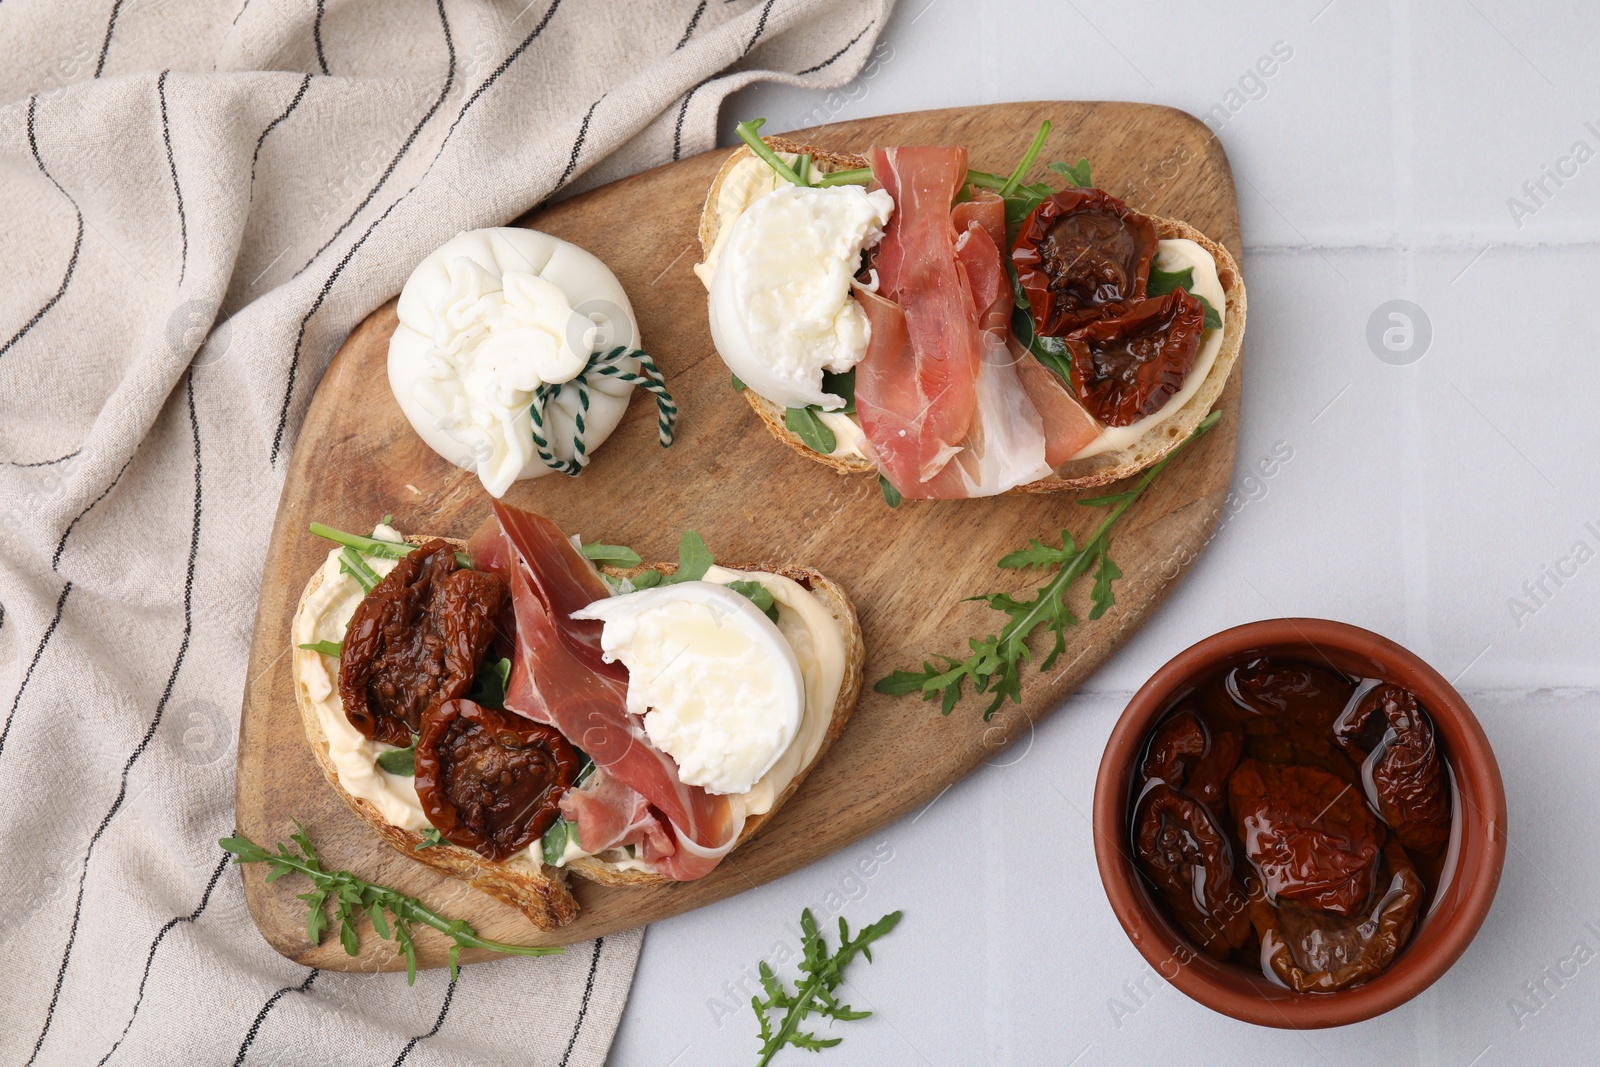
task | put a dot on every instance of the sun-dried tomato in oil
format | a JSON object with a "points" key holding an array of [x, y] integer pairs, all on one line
{"points": [[416, 641], [1082, 255], [491, 780]]}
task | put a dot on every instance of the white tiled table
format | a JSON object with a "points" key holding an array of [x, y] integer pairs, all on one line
{"points": [[1375, 163]]}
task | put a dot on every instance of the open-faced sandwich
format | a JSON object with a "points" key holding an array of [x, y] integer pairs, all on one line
{"points": [[957, 332], [506, 711]]}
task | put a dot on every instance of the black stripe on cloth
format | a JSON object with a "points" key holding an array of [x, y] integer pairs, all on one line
{"points": [[77, 244], [316, 33], [694, 21], [150, 958], [761, 26], [444, 1009], [172, 164], [61, 545], [583, 1008], [272, 1002], [61, 603], [240, 12], [577, 146], [105, 49], [683, 109], [449, 83], [294, 360], [46, 462], [144, 742], [829, 61], [300, 94], [494, 76]]}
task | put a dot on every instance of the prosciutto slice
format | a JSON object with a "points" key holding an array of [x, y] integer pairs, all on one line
{"points": [[559, 677], [915, 428], [1068, 428], [1005, 443], [610, 815]]}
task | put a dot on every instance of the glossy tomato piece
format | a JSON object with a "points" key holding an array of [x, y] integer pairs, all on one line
{"points": [[1082, 255], [491, 780], [1194, 758], [1314, 951], [416, 641], [1307, 833], [1125, 368], [1182, 850], [1388, 731]]}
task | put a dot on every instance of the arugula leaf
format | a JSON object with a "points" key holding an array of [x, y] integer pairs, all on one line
{"points": [[353, 898], [891, 495], [856, 176], [995, 666], [817, 993], [489, 684], [646, 579], [757, 594], [804, 424], [613, 555], [1027, 160], [1163, 282], [841, 385], [694, 559], [375, 546], [738, 386], [1051, 351], [327, 648], [1076, 173], [553, 845], [351, 563], [402, 761], [749, 133], [430, 837]]}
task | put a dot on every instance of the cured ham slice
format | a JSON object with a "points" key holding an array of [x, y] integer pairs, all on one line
{"points": [[917, 269], [1004, 445], [1068, 429], [559, 677], [610, 815]]}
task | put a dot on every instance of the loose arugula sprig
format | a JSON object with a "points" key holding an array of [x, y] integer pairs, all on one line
{"points": [[391, 912], [995, 666], [815, 996]]}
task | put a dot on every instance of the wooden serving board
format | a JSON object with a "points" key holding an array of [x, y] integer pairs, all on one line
{"points": [[908, 570]]}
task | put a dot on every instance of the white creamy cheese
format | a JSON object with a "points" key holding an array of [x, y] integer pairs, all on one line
{"points": [[484, 321], [1175, 255], [323, 616], [781, 307], [718, 687]]}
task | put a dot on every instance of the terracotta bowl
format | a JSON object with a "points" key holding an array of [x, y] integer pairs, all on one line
{"points": [[1457, 910]]}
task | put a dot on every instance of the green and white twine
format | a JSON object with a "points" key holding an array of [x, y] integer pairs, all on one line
{"points": [[601, 365]]}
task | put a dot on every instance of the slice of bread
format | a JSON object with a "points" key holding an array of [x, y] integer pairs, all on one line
{"points": [[541, 892], [537, 891], [837, 603], [1098, 470]]}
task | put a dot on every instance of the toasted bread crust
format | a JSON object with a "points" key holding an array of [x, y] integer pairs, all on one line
{"points": [[1074, 474], [541, 893], [838, 603]]}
